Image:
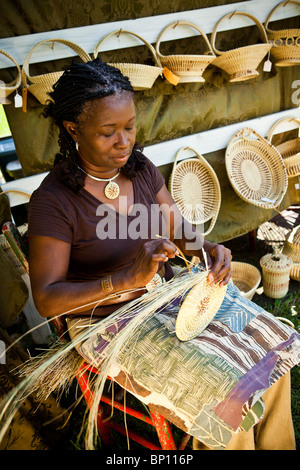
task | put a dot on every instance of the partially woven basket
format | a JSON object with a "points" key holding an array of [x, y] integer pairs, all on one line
{"points": [[290, 150], [276, 274], [141, 76], [291, 248], [41, 85], [189, 68], [241, 63], [285, 42], [195, 189], [7, 88], [255, 169], [245, 277]]}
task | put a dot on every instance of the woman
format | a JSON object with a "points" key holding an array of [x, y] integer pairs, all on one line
{"points": [[92, 245]]}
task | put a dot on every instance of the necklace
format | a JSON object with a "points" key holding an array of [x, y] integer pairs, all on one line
{"points": [[112, 189]]}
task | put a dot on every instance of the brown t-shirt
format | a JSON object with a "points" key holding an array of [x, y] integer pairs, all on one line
{"points": [[102, 240]]}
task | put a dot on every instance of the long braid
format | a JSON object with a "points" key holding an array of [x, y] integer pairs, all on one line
{"points": [[79, 84]]}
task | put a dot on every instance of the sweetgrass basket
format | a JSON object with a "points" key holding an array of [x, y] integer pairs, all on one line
{"points": [[291, 248], [141, 76], [188, 67], [256, 169], [195, 189], [289, 150], [241, 63], [285, 42], [41, 85], [7, 88], [245, 277], [276, 274]]}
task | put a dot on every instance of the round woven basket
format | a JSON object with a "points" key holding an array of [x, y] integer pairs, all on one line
{"points": [[195, 189], [198, 309], [285, 42], [255, 169], [141, 76], [189, 68], [245, 277], [7, 88], [291, 245], [241, 63], [41, 85], [276, 274], [295, 272], [290, 150]]}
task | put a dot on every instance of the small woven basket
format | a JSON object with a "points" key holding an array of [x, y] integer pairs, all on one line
{"points": [[41, 85], [141, 76], [245, 277], [241, 63], [295, 272], [189, 68], [290, 150], [276, 274], [285, 42], [255, 169], [195, 189], [9, 88], [291, 248]]}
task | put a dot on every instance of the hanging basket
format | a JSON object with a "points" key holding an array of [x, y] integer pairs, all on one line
{"points": [[276, 274], [189, 68], [241, 63], [290, 150], [7, 88], [245, 277], [285, 42], [255, 169], [195, 189], [141, 76], [41, 85]]}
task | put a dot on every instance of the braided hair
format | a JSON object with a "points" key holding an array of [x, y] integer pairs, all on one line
{"points": [[80, 84]]}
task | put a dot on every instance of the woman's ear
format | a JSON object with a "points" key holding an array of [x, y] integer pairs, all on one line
{"points": [[71, 127]]}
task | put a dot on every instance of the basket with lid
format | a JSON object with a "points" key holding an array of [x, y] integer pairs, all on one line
{"points": [[141, 76], [276, 269], [188, 67], [285, 42], [241, 63], [289, 150]]}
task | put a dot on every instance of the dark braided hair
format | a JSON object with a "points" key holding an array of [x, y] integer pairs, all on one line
{"points": [[83, 83]]}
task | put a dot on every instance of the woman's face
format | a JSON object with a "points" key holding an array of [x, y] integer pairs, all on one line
{"points": [[106, 132]]}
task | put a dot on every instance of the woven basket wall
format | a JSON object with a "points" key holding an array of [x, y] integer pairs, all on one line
{"points": [[9, 88], [246, 277], [276, 274], [290, 150], [291, 248]]}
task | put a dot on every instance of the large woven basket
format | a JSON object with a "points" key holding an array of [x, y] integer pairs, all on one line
{"points": [[189, 68], [290, 150], [291, 248], [241, 63], [276, 274], [7, 88], [41, 85], [285, 42], [141, 76], [255, 169], [245, 277], [195, 188]]}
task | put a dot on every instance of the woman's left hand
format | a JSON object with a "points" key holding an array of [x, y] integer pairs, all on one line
{"points": [[219, 263]]}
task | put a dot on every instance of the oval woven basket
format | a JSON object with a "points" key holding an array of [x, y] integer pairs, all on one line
{"points": [[245, 277], [276, 274], [7, 88], [290, 150], [189, 68], [41, 85], [255, 169], [285, 42], [241, 63], [141, 76], [195, 189]]}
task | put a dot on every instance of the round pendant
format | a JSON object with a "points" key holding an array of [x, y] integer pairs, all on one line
{"points": [[112, 190]]}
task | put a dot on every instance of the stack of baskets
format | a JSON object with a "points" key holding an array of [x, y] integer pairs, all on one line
{"points": [[291, 248], [276, 274], [7, 89], [289, 150]]}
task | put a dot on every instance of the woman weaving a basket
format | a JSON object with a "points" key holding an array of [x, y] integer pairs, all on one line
{"points": [[94, 253]]}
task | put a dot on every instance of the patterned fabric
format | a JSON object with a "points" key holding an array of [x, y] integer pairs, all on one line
{"points": [[210, 387]]}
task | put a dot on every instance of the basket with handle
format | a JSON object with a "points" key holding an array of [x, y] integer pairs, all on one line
{"points": [[41, 85], [285, 42], [289, 150], [189, 68], [7, 88], [256, 169], [141, 76], [241, 63], [195, 189]]}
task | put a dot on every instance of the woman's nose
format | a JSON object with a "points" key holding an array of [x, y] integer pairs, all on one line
{"points": [[122, 140]]}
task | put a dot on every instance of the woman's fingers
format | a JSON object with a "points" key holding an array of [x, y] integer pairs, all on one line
{"points": [[221, 261]]}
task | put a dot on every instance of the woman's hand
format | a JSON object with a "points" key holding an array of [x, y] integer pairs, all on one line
{"points": [[219, 261]]}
